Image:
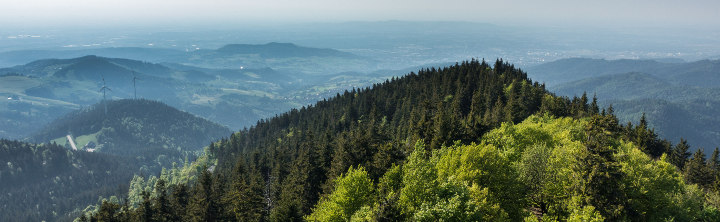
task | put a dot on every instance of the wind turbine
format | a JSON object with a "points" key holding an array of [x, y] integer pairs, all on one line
{"points": [[103, 89], [135, 88]]}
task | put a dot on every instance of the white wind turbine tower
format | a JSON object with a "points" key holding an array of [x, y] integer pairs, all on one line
{"points": [[135, 88], [103, 89]]}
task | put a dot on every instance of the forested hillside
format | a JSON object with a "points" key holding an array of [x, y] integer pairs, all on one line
{"points": [[130, 127], [51, 181], [418, 148], [47, 182]]}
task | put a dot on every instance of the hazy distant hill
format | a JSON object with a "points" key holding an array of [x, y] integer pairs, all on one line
{"points": [[43, 90], [705, 73], [36, 93], [134, 124], [285, 56], [281, 50], [680, 99]]}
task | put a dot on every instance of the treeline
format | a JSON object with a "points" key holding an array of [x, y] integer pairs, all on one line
{"points": [[279, 169]]}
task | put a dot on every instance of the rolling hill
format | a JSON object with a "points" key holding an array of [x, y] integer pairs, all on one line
{"points": [[133, 126], [283, 56], [46, 89], [681, 99], [703, 73]]}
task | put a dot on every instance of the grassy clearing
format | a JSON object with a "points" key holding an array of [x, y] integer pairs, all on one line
{"points": [[80, 141]]}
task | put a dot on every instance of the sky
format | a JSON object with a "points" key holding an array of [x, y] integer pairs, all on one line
{"points": [[548, 12]]}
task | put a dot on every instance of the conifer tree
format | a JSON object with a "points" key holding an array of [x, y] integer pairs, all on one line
{"points": [[696, 171], [680, 154], [600, 170], [161, 207]]}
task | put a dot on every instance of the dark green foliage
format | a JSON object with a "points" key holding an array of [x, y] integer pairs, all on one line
{"points": [[36, 180], [697, 172], [161, 205], [680, 153], [601, 170]]}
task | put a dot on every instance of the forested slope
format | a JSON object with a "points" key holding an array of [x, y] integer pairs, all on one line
{"points": [[284, 167], [134, 126], [44, 182]]}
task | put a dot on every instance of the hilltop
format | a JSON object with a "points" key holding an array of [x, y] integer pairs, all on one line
{"points": [[133, 126], [468, 142]]}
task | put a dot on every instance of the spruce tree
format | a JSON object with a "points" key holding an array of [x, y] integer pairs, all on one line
{"points": [[696, 171], [600, 170], [680, 154]]}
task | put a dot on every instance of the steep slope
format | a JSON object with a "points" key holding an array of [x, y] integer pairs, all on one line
{"points": [[134, 126]]}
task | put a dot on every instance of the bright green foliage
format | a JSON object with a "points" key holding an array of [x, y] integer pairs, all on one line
{"points": [[585, 214], [482, 167], [545, 166], [352, 192]]}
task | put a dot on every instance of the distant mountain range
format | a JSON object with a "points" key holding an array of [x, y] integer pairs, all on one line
{"points": [[281, 50], [234, 56], [680, 99], [38, 92], [46, 89], [700, 73]]}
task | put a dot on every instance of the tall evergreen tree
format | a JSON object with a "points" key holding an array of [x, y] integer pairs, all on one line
{"points": [[696, 171], [680, 154], [600, 170]]}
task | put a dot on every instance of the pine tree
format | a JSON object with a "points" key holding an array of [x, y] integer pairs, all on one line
{"points": [[202, 206], [108, 212], [680, 154], [594, 108], [161, 207], [696, 171], [179, 201], [600, 170], [145, 212]]}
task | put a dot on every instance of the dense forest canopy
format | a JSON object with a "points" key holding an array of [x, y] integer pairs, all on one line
{"points": [[44, 182], [466, 142]]}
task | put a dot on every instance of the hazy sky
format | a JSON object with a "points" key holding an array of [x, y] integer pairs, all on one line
{"points": [[612, 12]]}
